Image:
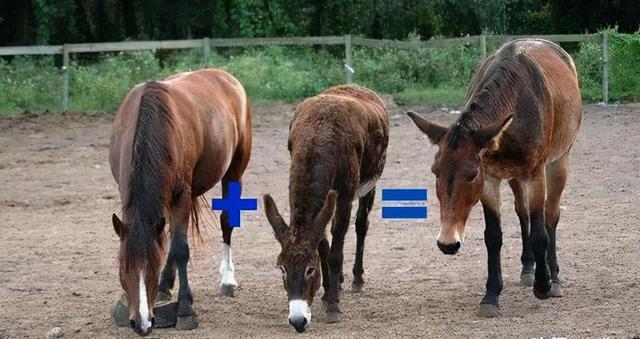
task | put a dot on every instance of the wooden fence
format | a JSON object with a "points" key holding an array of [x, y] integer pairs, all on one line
{"points": [[347, 40]]}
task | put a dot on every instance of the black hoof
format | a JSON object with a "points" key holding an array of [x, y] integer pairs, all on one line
{"points": [[356, 287], [488, 311], [541, 290], [228, 290], [186, 323], [526, 279], [333, 314]]}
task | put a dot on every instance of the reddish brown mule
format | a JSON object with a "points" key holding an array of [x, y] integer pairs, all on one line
{"points": [[519, 123], [338, 142], [172, 141]]}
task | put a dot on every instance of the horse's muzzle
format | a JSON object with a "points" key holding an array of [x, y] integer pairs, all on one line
{"points": [[299, 323], [449, 248]]}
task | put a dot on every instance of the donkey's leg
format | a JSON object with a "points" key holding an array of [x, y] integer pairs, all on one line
{"points": [[323, 251], [493, 240], [336, 256], [557, 173], [538, 239], [526, 276], [228, 282], [362, 225], [180, 215]]}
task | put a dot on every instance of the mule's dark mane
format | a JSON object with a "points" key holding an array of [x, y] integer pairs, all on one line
{"points": [[495, 92], [151, 158]]}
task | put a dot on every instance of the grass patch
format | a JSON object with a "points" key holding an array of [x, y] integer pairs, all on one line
{"points": [[453, 97]]}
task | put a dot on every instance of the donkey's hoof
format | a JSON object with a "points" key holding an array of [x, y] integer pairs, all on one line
{"points": [[356, 287], [333, 314], [526, 279], [488, 311], [163, 297], [541, 290], [228, 290], [188, 322], [556, 290]]}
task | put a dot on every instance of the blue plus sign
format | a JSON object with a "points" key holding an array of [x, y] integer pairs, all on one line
{"points": [[233, 204]]}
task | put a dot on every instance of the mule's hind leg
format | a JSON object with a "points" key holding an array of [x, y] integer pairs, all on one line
{"points": [[522, 209], [180, 215], [362, 225], [493, 240], [227, 269], [557, 173]]}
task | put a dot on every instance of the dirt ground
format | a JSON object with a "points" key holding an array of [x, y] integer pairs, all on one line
{"points": [[58, 248]]}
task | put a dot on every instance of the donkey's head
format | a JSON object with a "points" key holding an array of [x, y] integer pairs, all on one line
{"points": [[299, 260], [458, 171], [139, 258]]}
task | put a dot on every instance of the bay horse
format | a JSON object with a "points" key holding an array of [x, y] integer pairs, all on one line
{"points": [[172, 141], [337, 141], [521, 118]]}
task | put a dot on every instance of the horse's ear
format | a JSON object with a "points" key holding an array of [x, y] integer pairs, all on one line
{"points": [[280, 228], [490, 136], [433, 131], [160, 226], [323, 217], [118, 225]]}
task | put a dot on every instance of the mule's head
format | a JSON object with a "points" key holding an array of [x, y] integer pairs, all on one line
{"points": [[459, 173], [139, 258], [299, 260]]}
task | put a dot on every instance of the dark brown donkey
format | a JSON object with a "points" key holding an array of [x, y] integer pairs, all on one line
{"points": [[519, 123], [172, 141], [338, 142]]}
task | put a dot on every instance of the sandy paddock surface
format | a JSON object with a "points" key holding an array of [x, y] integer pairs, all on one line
{"points": [[58, 248]]}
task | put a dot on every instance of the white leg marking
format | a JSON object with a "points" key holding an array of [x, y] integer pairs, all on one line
{"points": [[298, 309], [227, 268], [145, 322]]}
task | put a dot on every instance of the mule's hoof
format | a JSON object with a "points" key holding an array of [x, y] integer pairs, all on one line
{"points": [[163, 297], [541, 290], [228, 290], [186, 323], [356, 287], [333, 317], [556, 290], [526, 279], [488, 311]]}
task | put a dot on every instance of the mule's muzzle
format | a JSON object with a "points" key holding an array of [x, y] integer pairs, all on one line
{"points": [[449, 248], [136, 326], [299, 323]]}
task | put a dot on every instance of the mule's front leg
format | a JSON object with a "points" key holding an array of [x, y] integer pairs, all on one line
{"points": [[493, 240], [362, 225], [539, 239], [336, 258]]}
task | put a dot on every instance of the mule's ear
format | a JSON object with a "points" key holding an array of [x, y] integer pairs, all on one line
{"points": [[160, 226], [323, 217], [433, 131], [275, 219], [118, 225], [490, 136]]}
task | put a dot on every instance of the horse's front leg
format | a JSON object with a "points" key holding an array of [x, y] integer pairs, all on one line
{"points": [[539, 239], [187, 318], [522, 209], [493, 240]]}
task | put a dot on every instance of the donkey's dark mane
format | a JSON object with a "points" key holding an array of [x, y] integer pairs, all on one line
{"points": [[151, 158], [495, 91]]}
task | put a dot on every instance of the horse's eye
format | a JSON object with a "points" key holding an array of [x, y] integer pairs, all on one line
{"points": [[309, 272]]}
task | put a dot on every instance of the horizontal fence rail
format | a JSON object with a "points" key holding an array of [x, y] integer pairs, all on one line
{"points": [[347, 40]]}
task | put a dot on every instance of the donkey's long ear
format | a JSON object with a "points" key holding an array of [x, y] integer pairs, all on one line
{"points": [[433, 131], [323, 217], [118, 225], [275, 219], [490, 136]]}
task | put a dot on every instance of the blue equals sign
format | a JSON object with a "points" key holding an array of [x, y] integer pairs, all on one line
{"points": [[408, 198]]}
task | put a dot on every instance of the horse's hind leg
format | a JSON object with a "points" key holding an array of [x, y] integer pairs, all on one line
{"points": [[167, 280], [557, 173], [228, 282], [522, 209], [362, 225]]}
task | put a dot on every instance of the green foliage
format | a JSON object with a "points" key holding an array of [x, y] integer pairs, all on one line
{"points": [[588, 62], [624, 56], [29, 83]]}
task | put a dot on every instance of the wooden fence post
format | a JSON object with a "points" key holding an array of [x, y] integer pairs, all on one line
{"points": [[206, 48], [605, 68], [65, 75], [347, 58], [483, 47]]}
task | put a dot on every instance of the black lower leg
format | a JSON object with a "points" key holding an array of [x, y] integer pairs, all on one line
{"points": [[527, 256], [180, 247], [362, 225], [552, 257], [538, 242], [226, 229], [323, 251], [168, 275], [493, 241], [336, 256]]}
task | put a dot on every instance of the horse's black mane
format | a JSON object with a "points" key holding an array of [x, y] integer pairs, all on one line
{"points": [[147, 181]]}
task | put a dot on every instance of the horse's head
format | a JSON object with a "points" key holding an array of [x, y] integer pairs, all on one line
{"points": [[459, 173], [299, 260], [139, 258]]}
